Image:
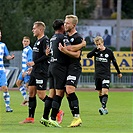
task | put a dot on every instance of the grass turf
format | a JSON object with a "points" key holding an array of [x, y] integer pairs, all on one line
{"points": [[118, 120]]}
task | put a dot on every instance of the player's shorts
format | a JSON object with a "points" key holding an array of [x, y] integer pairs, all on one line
{"points": [[39, 80], [102, 83], [57, 76], [25, 79], [73, 75], [3, 81]]}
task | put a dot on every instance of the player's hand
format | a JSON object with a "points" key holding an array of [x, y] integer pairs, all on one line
{"points": [[47, 51], [12, 56], [83, 43], [120, 75], [62, 48], [24, 74], [30, 64]]}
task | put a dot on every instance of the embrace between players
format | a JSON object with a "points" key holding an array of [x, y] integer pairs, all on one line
{"points": [[64, 54]]}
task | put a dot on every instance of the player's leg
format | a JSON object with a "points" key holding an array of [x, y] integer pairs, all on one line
{"points": [[32, 101], [98, 84], [48, 105], [72, 81], [59, 84], [6, 95], [21, 87], [74, 106], [105, 88], [56, 103]]}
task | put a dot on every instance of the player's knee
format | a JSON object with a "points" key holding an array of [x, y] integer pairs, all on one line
{"points": [[4, 88], [70, 90], [18, 83]]}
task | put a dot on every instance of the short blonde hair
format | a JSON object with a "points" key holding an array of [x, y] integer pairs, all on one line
{"points": [[75, 18], [26, 37], [40, 23], [97, 38]]}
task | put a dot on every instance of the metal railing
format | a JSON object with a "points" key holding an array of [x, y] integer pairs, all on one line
{"points": [[87, 80]]}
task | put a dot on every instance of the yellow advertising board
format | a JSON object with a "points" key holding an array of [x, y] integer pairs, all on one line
{"points": [[124, 61]]}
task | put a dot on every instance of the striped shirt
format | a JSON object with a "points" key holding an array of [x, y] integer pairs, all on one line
{"points": [[3, 52], [26, 57]]}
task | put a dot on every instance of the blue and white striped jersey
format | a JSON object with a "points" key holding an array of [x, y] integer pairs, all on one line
{"points": [[26, 57], [3, 52]]}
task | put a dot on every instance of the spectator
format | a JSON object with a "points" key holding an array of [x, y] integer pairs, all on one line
{"points": [[107, 38], [89, 39]]}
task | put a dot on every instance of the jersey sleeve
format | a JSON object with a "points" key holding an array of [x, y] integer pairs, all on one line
{"points": [[79, 40], [6, 52], [115, 62], [29, 56], [93, 53], [44, 57]]}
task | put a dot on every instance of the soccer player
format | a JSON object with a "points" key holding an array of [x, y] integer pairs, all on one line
{"points": [[3, 80], [23, 76], [103, 57], [74, 68], [39, 74], [57, 73]]}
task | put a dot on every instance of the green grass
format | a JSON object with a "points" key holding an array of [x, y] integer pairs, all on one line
{"points": [[119, 119]]}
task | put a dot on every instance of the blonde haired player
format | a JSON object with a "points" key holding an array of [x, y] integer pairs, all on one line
{"points": [[103, 57]]}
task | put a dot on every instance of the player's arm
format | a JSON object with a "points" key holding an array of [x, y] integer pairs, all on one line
{"points": [[116, 65], [27, 72], [44, 57], [64, 49], [41, 59], [29, 59], [92, 53], [10, 57], [7, 55], [77, 46]]}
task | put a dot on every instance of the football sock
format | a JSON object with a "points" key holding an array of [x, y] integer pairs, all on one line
{"points": [[23, 92], [32, 106], [70, 105], [75, 104], [56, 103], [104, 100], [47, 108], [100, 98], [6, 97]]}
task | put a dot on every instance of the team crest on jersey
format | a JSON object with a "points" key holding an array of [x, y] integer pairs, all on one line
{"points": [[101, 55], [72, 39], [38, 43], [106, 55]]}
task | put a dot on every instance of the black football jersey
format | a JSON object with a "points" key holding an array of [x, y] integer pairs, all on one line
{"points": [[74, 40], [102, 62], [56, 54], [39, 56]]}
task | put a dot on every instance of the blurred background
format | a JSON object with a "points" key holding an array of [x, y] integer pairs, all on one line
{"points": [[111, 19]]}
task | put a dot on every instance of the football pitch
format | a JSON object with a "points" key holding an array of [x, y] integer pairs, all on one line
{"points": [[119, 119]]}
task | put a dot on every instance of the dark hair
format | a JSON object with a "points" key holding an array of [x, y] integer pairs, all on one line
{"points": [[106, 31], [57, 24]]}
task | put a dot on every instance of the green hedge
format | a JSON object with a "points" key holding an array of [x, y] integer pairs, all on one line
{"points": [[125, 49]]}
